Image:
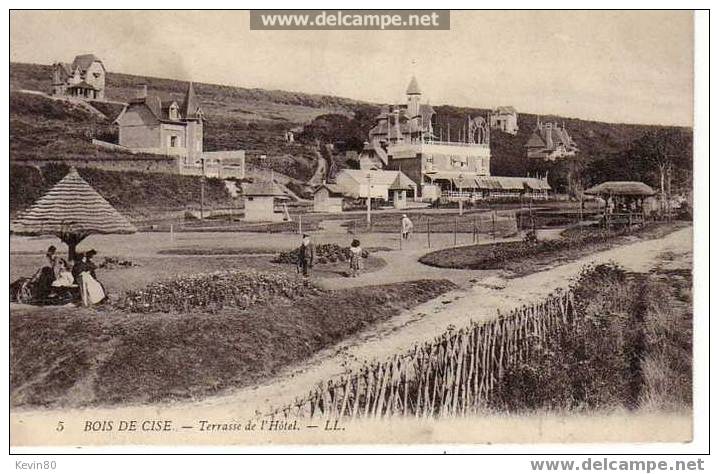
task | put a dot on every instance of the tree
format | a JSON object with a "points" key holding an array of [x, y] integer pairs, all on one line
{"points": [[665, 154]]}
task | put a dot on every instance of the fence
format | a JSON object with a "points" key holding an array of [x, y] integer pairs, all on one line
{"points": [[453, 375], [466, 228]]}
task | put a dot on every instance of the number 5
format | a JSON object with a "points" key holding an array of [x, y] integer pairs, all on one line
{"points": [[60, 426]]}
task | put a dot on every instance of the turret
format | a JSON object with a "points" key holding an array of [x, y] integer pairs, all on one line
{"points": [[414, 95]]}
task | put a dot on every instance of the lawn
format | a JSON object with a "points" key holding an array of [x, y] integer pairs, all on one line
{"points": [[87, 357], [522, 257]]}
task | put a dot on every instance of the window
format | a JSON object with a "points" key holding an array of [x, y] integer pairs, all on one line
{"points": [[173, 112], [173, 141]]}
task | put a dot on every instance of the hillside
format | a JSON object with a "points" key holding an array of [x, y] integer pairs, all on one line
{"points": [[256, 120]]}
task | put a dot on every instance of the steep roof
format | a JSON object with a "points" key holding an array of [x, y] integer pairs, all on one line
{"points": [[379, 177], [413, 87], [535, 141], [160, 110], [66, 68], [512, 183], [621, 188], [190, 108], [505, 109], [72, 206], [263, 188], [84, 61], [402, 181], [334, 189], [559, 136], [82, 85]]}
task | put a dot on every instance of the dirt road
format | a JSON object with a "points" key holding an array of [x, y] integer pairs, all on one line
{"points": [[490, 295]]}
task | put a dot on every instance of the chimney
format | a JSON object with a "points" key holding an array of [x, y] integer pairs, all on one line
{"points": [[142, 91]]}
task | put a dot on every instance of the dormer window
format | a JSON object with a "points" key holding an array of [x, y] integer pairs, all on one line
{"points": [[174, 112]]}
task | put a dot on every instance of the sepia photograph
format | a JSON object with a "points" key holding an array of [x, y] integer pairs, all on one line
{"points": [[351, 227]]}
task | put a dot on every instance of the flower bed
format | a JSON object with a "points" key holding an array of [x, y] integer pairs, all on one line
{"points": [[211, 292], [110, 263], [504, 254], [324, 253]]}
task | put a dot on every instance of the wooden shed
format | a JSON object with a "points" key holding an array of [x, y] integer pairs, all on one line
{"points": [[328, 198], [262, 200]]}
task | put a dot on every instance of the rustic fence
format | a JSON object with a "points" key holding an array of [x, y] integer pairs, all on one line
{"points": [[453, 375]]}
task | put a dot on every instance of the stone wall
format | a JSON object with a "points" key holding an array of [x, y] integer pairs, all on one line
{"points": [[134, 163]]}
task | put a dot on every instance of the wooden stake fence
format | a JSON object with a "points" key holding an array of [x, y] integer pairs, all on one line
{"points": [[452, 375]]}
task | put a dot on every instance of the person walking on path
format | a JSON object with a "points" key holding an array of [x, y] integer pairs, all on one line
{"points": [[407, 226], [305, 255], [355, 258]]}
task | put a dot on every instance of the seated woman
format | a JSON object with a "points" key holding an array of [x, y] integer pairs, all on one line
{"points": [[91, 290], [63, 275]]}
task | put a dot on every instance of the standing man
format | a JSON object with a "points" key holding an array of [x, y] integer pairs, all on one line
{"points": [[406, 226], [305, 255]]}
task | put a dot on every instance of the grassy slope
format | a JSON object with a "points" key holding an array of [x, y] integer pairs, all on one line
{"points": [[630, 349], [121, 358], [131, 192]]}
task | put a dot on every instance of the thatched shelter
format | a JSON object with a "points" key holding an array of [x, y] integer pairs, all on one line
{"points": [[71, 210], [621, 188], [623, 200]]}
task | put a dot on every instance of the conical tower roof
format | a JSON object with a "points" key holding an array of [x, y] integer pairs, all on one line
{"points": [[191, 105], [72, 206], [413, 87]]}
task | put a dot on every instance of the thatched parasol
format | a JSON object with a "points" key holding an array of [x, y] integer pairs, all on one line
{"points": [[72, 210], [621, 188]]}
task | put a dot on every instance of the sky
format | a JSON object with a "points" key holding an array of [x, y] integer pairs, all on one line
{"points": [[631, 67]]}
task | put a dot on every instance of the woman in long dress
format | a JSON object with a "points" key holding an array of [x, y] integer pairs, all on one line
{"points": [[91, 290]]}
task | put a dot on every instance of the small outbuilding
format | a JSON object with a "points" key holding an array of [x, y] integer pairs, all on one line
{"points": [[388, 185], [261, 201], [328, 198]]}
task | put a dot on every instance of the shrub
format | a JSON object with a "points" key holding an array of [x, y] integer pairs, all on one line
{"points": [[324, 253], [211, 292], [595, 362]]}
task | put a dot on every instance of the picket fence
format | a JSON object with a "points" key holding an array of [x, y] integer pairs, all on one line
{"points": [[453, 375]]}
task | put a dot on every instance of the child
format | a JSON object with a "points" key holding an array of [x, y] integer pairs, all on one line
{"points": [[64, 277], [355, 258]]}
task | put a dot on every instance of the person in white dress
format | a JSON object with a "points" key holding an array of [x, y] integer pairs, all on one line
{"points": [[91, 290]]}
